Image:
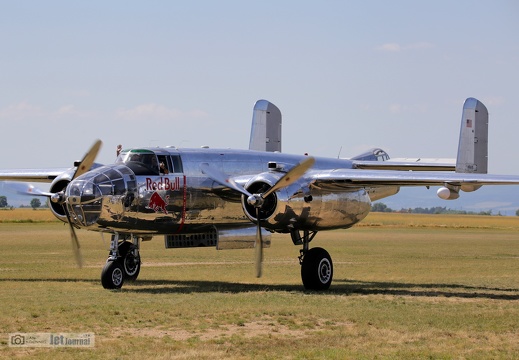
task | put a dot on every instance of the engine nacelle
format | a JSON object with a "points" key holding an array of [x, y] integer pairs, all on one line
{"points": [[470, 188], [297, 207], [447, 194], [57, 185]]}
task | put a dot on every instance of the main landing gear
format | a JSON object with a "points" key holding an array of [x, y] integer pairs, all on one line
{"points": [[123, 263], [316, 263]]}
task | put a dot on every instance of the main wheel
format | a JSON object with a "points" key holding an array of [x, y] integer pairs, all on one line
{"points": [[317, 269], [130, 260], [112, 276]]}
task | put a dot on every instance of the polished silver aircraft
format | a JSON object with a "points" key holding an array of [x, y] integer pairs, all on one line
{"points": [[231, 199]]}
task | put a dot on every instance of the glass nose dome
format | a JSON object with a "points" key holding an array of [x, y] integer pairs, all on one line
{"points": [[85, 194]]}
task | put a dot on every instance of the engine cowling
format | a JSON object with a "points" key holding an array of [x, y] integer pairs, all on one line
{"points": [[258, 185], [58, 185]]}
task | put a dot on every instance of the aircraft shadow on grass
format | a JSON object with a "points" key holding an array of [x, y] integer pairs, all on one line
{"points": [[340, 287]]}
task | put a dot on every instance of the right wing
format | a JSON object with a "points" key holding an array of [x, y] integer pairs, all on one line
{"points": [[348, 178]]}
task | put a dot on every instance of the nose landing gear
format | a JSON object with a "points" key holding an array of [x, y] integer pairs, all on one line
{"points": [[123, 263]]}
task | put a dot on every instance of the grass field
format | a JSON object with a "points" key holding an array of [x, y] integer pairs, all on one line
{"points": [[405, 286]]}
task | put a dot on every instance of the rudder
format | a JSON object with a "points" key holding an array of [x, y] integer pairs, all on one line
{"points": [[473, 143], [266, 127]]}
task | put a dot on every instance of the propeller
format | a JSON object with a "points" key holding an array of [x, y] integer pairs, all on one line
{"points": [[82, 167], [25, 189], [257, 200], [76, 248], [88, 159]]}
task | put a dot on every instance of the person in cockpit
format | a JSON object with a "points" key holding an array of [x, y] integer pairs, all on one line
{"points": [[163, 169], [154, 163]]}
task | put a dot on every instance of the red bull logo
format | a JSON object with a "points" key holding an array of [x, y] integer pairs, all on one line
{"points": [[157, 203]]}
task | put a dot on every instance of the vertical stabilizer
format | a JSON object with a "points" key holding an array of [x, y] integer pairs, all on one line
{"points": [[473, 143], [266, 127]]}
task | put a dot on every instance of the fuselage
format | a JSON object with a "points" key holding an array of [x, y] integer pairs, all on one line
{"points": [[164, 191]]}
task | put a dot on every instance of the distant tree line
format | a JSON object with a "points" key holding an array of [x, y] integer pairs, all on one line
{"points": [[35, 203], [381, 207]]}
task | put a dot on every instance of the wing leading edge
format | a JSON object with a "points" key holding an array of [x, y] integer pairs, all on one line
{"points": [[32, 175]]}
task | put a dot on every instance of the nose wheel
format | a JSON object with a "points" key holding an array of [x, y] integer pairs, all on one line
{"points": [[130, 259], [123, 264]]}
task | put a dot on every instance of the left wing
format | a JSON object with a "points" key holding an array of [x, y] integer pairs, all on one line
{"points": [[32, 175]]}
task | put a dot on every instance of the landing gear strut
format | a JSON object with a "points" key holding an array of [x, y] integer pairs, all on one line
{"points": [[316, 263], [123, 263]]}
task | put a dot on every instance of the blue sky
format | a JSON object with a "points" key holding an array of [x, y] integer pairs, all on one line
{"points": [[345, 74]]}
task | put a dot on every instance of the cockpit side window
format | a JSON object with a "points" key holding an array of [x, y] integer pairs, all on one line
{"points": [[142, 162], [164, 164], [176, 163]]}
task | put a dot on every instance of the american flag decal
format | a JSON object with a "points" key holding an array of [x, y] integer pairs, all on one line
{"points": [[469, 123]]}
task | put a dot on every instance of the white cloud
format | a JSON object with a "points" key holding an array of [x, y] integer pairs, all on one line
{"points": [[493, 100], [146, 112], [69, 111], [390, 47], [417, 108], [395, 47], [419, 45], [20, 111], [25, 112], [395, 108]]}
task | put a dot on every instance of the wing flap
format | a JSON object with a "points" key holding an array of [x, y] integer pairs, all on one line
{"points": [[405, 165]]}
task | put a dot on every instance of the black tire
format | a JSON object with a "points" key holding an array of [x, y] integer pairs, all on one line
{"points": [[130, 262], [317, 269], [112, 276]]}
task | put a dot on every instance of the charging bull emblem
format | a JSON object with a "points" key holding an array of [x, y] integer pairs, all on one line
{"points": [[157, 203]]}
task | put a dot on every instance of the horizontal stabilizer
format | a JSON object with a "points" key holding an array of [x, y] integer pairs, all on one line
{"points": [[378, 159]]}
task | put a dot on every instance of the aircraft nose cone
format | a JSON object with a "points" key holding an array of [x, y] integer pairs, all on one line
{"points": [[83, 200], [85, 195]]}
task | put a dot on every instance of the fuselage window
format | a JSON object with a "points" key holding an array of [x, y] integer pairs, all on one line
{"points": [[176, 163]]}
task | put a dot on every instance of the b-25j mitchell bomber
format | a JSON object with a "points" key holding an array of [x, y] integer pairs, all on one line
{"points": [[232, 199]]}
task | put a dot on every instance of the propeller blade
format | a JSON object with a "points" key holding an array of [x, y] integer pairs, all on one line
{"points": [[25, 189], [291, 176], [83, 167], [75, 242], [222, 179], [88, 159], [259, 246]]}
